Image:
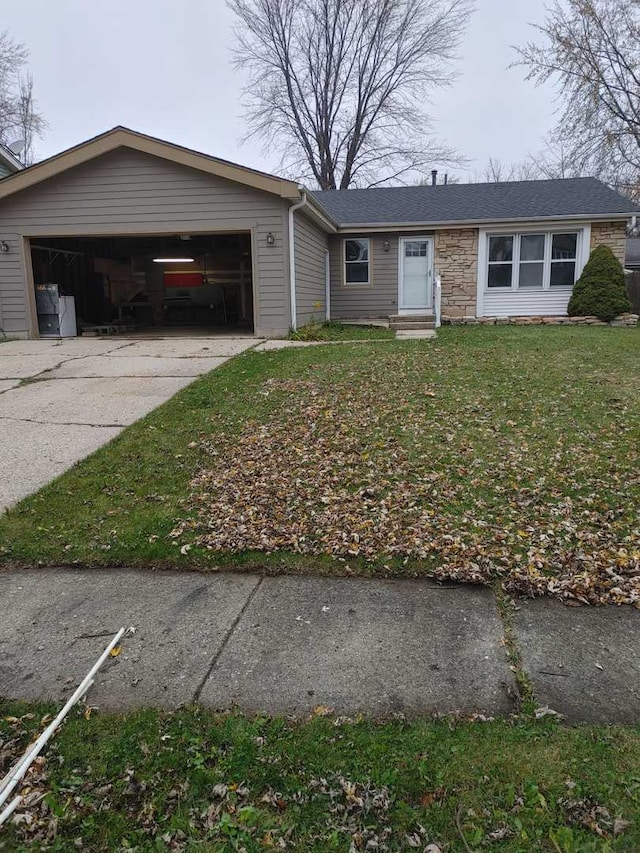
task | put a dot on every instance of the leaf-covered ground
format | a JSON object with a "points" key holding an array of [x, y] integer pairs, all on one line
{"points": [[508, 452], [494, 455], [194, 780]]}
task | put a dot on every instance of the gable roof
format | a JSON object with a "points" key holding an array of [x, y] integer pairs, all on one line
{"points": [[479, 203], [120, 137]]}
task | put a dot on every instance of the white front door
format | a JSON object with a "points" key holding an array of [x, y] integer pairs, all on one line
{"points": [[415, 275]]}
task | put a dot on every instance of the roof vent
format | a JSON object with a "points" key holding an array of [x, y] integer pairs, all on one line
{"points": [[434, 177]]}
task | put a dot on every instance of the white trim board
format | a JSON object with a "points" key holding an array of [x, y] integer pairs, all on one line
{"points": [[472, 224]]}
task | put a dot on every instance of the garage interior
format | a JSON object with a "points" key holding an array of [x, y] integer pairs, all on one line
{"points": [[128, 284]]}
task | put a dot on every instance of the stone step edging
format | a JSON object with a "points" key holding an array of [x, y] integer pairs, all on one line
{"points": [[622, 320]]}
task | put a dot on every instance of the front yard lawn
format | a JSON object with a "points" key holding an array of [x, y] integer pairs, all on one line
{"points": [[500, 452], [194, 780], [336, 331]]}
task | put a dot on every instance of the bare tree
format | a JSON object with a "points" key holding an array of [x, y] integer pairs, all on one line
{"points": [[591, 49], [340, 86], [496, 171], [554, 159], [29, 121], [19, 118]]}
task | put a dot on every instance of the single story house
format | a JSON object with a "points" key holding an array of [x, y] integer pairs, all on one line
{"points": [[143, 232]]}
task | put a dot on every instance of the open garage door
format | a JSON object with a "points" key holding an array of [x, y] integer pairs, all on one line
{"points": [[114, 285]]}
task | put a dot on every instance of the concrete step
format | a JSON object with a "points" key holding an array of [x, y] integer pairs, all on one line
{"points": [[415, 321], [415, 334], [408, 327]]}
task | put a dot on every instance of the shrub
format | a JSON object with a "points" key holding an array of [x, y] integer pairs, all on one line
{"points": [[601, 290]]}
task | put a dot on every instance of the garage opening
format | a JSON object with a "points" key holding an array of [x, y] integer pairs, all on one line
{"points": [[120, 285]]}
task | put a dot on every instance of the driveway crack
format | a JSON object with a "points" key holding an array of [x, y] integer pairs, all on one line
{"points": [[42, 375], [61, 423]]}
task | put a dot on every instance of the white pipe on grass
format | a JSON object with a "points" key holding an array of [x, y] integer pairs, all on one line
{"points": [[15, 775], [13, 805]]}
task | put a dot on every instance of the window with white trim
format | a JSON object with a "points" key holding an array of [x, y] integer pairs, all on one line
{"points": [[356, 261], [535, 261]]}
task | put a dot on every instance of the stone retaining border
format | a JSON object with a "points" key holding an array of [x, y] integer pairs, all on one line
{"points": [[622, 320]]}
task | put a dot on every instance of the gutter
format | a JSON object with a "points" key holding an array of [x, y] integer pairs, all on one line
{"points": [[351, 227], [292, 258]]}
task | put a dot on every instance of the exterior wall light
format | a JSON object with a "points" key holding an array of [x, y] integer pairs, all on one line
{"points": [[4, 247], [386, 245], [271, 240]]}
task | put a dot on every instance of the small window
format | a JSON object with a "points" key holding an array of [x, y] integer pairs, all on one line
{"points": [[415, 249], [500, 261], [356, 262]]}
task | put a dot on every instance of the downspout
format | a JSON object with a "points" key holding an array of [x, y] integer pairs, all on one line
{"points": [[327, 286], [292, 258]]}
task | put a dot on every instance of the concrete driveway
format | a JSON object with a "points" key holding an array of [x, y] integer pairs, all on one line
{"points": [[61, 400]]}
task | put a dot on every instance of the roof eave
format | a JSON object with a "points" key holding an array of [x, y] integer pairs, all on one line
{"points": [[320, 213], [479, 223], [120, 137]]}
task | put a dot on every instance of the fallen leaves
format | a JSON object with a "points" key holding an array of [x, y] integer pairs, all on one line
{"points": [[356, 463], [229, 783]]}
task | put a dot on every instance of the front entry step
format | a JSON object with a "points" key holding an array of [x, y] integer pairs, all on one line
{"points": [[415, 334], [411, 322]]}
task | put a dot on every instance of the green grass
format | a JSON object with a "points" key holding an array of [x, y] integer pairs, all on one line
{"points": [[487, 453], [335, 331], [147, 781]]}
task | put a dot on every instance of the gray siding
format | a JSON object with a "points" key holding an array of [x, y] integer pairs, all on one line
{"points": [[311, 244], [380, 298], [128, 192], [13, 308]]}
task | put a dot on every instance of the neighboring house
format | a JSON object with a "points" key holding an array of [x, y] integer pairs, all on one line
{"points": [[632, 267], [632, 257], [9, 163], [134, 226]]}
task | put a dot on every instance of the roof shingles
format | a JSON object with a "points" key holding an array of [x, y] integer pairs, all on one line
{"points": [[474, 202]]}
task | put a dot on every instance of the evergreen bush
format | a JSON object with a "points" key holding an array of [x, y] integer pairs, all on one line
{"points": [[601, 290]]}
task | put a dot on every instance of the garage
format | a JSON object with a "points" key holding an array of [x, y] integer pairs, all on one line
{"points": [[159, 284], [127, 233]]}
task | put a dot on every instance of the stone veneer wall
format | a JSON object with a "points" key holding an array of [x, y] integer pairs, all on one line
{"points": [[613, 234], [456, 262]]}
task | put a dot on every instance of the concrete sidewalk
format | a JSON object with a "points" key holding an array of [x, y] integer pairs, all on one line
{"points": [[62, 399], [284, 645]]}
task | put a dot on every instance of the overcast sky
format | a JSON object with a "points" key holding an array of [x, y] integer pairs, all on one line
{"points": [[164, 68]]}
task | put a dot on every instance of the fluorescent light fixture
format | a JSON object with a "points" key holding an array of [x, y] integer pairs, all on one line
{"points": [[173, 260]]}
